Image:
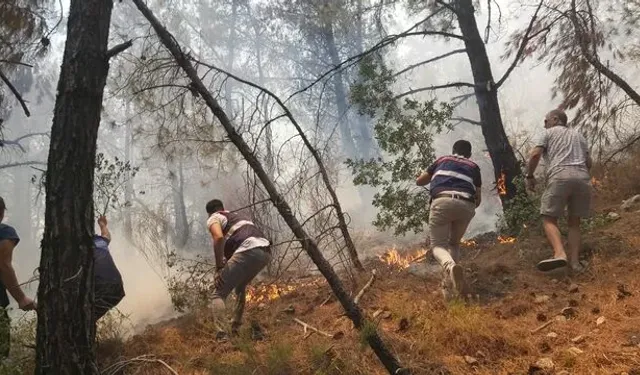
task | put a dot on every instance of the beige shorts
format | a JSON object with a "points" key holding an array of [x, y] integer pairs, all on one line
{"points": [[574, 194]]}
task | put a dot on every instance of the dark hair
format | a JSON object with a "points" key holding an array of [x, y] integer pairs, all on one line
{"points": [[561, 115], [463, 148], [2, 205], [214, 205]]}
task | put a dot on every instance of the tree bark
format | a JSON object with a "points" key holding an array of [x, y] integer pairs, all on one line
{"points": [[310, 246], [128, 188], [66, 332], [181, 231], [342, 104], [502, 155]]}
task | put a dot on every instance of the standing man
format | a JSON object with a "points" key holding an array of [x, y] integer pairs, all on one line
{"points": [[246, 251], [567, 162], [9, 282], [455, 194], [109, 290]]}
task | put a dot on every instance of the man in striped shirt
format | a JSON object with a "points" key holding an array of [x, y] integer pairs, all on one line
{"points": [[455, 183]]}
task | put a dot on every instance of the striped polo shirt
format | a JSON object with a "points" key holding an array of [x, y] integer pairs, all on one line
{"points": [[454, 173]]}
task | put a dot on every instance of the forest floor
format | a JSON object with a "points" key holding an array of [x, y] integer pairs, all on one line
{"points": [[495, 333]]}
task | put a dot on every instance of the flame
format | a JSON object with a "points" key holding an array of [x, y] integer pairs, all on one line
{"points": [[501, 184], [505, 239], [469, 243], [270, 292], [395, 259]]}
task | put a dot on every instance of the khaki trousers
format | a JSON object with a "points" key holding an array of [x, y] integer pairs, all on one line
{"points": [[448, 221]]}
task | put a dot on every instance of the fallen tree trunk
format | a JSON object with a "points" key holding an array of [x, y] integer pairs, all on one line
{"points": [[309, 245]]}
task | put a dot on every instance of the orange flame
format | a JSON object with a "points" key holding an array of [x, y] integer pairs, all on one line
{"points": [[469, 243], [270, 292], [501, 184], [395, 259], [505, 239]]}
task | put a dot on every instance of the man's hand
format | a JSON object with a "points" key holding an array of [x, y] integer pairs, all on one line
{"points": [[531, 184], [27, 304], [217, 280], [102, 221]]}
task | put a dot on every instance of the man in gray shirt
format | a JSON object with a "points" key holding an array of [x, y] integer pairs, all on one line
{"points": [[567, 162]]}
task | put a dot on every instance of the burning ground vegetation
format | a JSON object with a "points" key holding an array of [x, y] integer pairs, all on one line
{"points": [[518, 322]]}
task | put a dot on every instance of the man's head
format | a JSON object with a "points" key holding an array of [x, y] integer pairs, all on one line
{"points": [[214, 206], [557, 117], [2, 208], [462, 148]]}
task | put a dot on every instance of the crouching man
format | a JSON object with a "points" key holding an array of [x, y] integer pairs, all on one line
{"points": [[246, 250], [455, 193], [109, 290]]}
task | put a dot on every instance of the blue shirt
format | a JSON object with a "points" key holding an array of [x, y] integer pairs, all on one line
{"points": [[7, 232], [454, 173], [105, 269]]}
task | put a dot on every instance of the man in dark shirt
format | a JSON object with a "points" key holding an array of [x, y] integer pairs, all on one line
{"points": [[109, 290], [9, 282], [455, 193]]}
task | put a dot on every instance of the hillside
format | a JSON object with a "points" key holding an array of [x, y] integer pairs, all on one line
{"points": [[592, 321]]}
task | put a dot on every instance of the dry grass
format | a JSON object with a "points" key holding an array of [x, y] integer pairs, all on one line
{"points": [[496, 330]]}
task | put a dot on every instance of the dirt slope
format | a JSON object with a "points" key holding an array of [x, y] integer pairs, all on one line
{"points": [[491, 335]]}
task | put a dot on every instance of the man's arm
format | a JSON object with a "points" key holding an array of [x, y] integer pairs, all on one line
{"points": [[534, 160], [104, 230], [218, 243], [423, 179], [7, 273], [589, 161]]}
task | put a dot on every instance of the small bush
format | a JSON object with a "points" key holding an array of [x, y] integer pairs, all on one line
{"points": [[520, 213]]}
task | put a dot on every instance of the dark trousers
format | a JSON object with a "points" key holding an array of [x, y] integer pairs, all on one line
{"points": [[107, 296], [5, 334]]}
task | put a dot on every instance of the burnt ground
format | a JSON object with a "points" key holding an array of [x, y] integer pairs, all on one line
{"points": [[491, 334]]}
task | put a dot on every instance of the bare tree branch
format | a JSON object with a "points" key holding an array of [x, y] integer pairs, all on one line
{"points": [[413, 66], [525, 40], [431, 88], [11, 165], [464, 119], [15, 93], [118, 48], [16, 63]]}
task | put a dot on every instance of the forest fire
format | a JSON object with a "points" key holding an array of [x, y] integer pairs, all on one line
{"points": [[501, 184], [395, 259], [505, 239], [270, 292]]}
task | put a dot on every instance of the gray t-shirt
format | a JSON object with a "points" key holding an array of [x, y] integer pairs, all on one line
{"points": [[565, 153]]}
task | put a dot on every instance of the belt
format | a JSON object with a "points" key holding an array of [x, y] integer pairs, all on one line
{"points": [[454, 196]]}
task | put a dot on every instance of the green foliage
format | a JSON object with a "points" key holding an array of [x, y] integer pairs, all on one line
{"points": [[109, 182], [520, 213], [404, 130], [325, 362], [367, 331]]}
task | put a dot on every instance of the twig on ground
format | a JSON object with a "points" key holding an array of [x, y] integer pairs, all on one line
{"points": [[365, 287], [545, 325], [307, 326], [119, 366], [326, 299]]}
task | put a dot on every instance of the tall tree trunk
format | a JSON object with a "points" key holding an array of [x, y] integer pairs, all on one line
{"points": [[181, 227], [310, 246], [502, 155], [128, 187], [66, 333], [342, 104], [231, 49]]}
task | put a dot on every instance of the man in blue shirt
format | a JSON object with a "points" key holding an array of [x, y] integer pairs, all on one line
{"points": [[109, 290], [9, 282], [455, 183]]}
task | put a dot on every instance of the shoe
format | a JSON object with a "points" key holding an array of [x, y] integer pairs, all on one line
{"points": [[222, 336], [457, 279], [551, 264], [577, 269]]}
